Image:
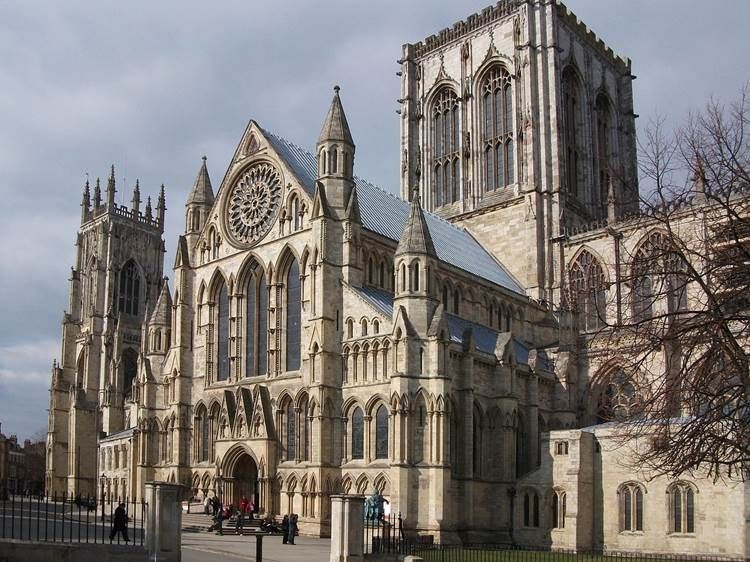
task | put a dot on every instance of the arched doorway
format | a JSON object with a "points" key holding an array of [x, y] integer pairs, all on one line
{"points": [[244, 480]]}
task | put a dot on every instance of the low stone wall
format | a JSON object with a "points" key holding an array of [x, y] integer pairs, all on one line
{"points": [[26, 551]]}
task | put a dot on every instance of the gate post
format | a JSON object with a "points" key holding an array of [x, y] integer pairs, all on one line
{"points": [[347, 528], [163, 521]]}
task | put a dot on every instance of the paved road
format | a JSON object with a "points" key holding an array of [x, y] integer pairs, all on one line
{"points": [[198, 545]]}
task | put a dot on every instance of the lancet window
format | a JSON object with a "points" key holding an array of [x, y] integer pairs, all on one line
{"points": [[446, 160], [497, 129]]}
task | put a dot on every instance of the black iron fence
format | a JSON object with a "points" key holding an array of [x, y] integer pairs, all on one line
{"points": [[386, 536], [71, 519], [508, 553]]}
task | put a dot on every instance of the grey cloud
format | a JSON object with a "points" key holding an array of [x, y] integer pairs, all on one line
{"points": [[152, 86]]}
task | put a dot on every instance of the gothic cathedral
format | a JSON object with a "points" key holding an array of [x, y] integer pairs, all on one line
{"points": [[322, 336]]}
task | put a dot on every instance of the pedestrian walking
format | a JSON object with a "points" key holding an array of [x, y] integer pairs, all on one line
{"points": [[251, 509], [292, 527], [239, 521], [120, 524], [207, 505], [285, 529]]}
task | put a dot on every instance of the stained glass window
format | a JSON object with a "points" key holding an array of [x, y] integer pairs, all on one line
{"points": [[222, 334], [358, 434], [293, 318], [381, 433]]}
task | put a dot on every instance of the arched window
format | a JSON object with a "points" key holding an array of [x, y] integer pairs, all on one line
{"points": [[531, 509], [631, 507], [588, 292], [358, 433], [572, 133], [381, 274], [349, 328], [363, 326], [130, 289], [290, 431], [256, 325], [497, 130], [297, 219], [559, 501], [381, 433], [293, 318], [659, 279], [446, 148], [603, 131], [204, 435], [129, 371], [477, 442], [620, 399], [222, 334], [456, 300], [682, 508], [304, 438]]}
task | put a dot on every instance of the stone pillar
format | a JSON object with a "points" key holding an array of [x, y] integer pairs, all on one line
{"points": [[347, 528], [163, 521]]}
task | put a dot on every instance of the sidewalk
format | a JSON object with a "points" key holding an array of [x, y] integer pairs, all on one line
{"points": [[196, 538]]}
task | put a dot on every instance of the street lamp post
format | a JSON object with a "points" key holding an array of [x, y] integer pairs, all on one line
{"points": [[102, 480]]}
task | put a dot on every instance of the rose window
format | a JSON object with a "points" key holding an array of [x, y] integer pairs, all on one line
{"points": [[253, 203]]}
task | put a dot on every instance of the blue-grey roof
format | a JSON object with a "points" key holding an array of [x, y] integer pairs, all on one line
{"points": [[485, 338], [386, 214], [380, 299]]}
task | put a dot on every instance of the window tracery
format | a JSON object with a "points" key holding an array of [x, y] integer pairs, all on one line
{"points": [[631, 507], [588, 292], [130, 289], [446, 148], [497, 129]]}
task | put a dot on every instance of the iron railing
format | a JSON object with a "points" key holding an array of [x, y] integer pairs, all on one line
{"points": [[509, 553], [385, 535], [71, 519]]}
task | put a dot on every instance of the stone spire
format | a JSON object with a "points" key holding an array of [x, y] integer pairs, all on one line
{"points": [[161, 206], [335, 128], [97, 194], [85, 201], [149, 212], [162, 313], [202, 193], [416, 238], [335, 153], [199, 203], [111, 188], [136, 207]]}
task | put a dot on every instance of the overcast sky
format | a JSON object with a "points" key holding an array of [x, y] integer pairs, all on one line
{"points": [[152, 86]]}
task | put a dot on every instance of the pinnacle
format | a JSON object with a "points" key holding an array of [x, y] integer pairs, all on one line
{"points": [[335, 126], [202, 192], [416, 238]]}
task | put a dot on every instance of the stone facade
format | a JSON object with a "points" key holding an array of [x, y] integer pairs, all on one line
{"points": [[324, 337]]}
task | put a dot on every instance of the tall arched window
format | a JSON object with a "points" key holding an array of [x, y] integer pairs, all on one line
{"points": [[304, 425], [477, 441], [682, 508], [588, 292], [603, 130], [293, 318], [446, 158], [559, 501], [531, 509], [572, 133], [256, 325], [290, 431], [358, 433], [204, 434], [631, 507], [130, 289], [222, 334], [497, 130], [659, 279], [381, 433], [129, 370]]}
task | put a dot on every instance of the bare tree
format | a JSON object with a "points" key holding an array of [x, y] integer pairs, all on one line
{"points": [[681, 332]]}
